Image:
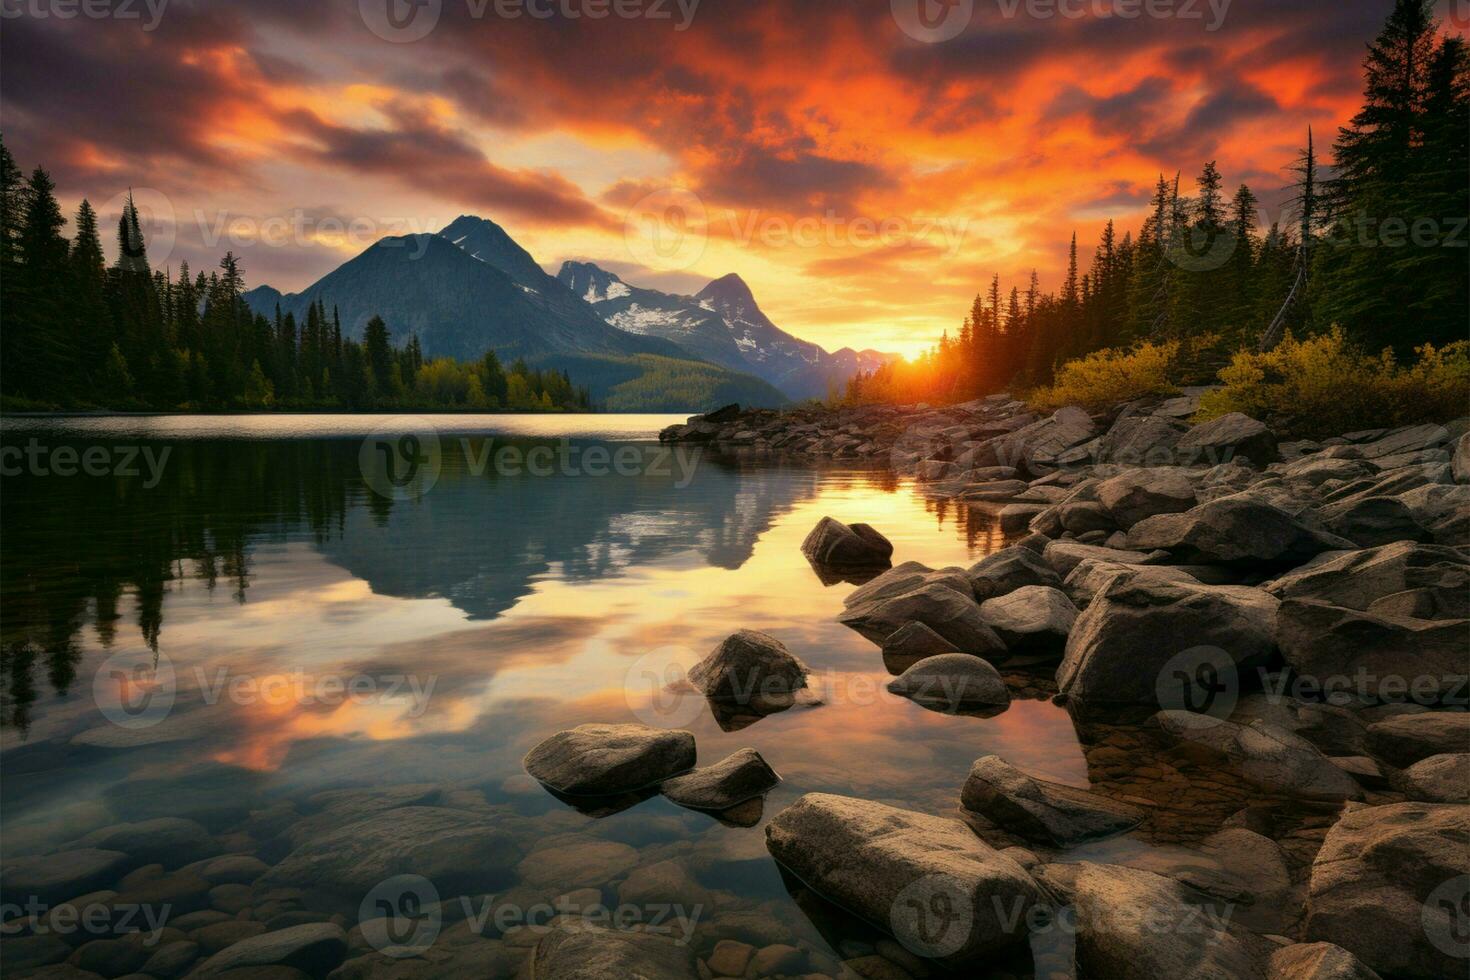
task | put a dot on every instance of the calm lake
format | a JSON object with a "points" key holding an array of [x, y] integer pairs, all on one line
{"points": [[232, 616]]}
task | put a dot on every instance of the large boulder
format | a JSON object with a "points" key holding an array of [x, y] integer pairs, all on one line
{"points": [[1063, 556], [1134, 495], [1141, 440], [1040, 810], [574, 950], [1035, 448], [726, 784], [832, 544], [1437, 779], [607, 760], [314, 948], [905, 578], [1373, 521], [746, 665], [1138, 623], [1460, 465], [1034, 616], [1008, 570], [1406, 739], [894, 868], [170, 841], [1356, 579], [952, 682], [1394, 658], [459, 850], [1265, 756], [1389, 885], [952, 615], [1135, 924], [66, 874], [1229, 438], [1091, 575], [1316, 961], [1231, 530]]}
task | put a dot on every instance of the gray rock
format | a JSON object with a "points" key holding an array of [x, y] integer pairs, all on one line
{"points": [[1355, 579], [1264, 755], [1407, 739], [1133, 923], [1316, 470], [905, 578], [314, 948], [459, 850], [1063, 556], [1228, 438], [1040, 810], [1387, 658], [1443, 509], [890, 866], [1373, 521], [1411, 438], [1090, 576], [836, 545], [746, 665], [1141, 440], [1034, 449], [170, 841], [1031, 616], [995, 490], [1016, 518], [913, 643], [952, 680], [53, 878], [605, 760], [1134, 495], [1460, 465], [171, 960], [1008, 570], [1121, 643], [729, 782], [582, 951], [1375, 884], [1232, 530], [1316, 961], [952, 615]]}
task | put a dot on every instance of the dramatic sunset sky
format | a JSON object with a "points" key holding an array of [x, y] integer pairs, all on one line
{"points": [[980, 152]]}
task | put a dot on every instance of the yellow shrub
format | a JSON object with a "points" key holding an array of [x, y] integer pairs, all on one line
{"points": [[1323, 386], [1106, 377]]}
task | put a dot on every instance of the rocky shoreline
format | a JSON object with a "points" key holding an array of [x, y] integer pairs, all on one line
{"points": [[1223, 607]]}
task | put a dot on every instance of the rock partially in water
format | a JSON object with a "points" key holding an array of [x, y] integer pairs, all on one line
{"points": [[1040, 810], [1408, 739], [912, 643], [894, 868], [1233, 530], [833, 544], [953, 615], [1137, 624], [1031, 617], [746, 665], [1388, 886], [459, 850], [315, 949], [1264, 755], [1388, 657], [53, 878], [905, 578], [729, 782], [1132, 923], [1010, 569], [1316, 961], [608, 760], [952, 681], [582, 951], [1229, 438]]}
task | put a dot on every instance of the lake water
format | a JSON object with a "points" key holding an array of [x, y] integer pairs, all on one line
{"points": [[303, 625]]}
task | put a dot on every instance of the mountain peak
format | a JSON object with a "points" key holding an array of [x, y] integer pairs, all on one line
{"points": [[483, 239], [591, 282], [728, 290]]}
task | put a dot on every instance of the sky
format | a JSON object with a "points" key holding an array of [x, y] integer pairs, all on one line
{"points": [[865, 165]]}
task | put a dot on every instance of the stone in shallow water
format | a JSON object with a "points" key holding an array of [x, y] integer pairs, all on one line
{"points": [[893, 867], [606, 760], [725, 784], [578, 951], [57, 877], [1265, 756], [170, 841], [952, 681], [314, 948], [1389, 885], [1038, 809], [911, 644], [836, 545], [748, 664], [951, 614]]}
